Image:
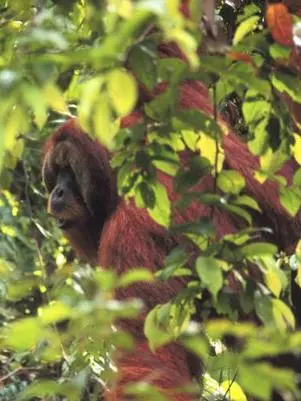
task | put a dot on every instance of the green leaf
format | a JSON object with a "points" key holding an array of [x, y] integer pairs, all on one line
{"points": [[24, 334], [54, 98], [202, 227], [244, 28], [270, 377], [142, 62], [47, 388], [278, 51], [164, 159], [247, 11], [141, 390], [89, 94], [258, 249], [233, 390], [123, 175], [231, 182], [177, 256], [55, 312], [33, 98], [14, 125], [145, 195], [296, 148], [155, 334], [21, 289], [190, 139], [197, 120], [297, 177], [42, 388], [170, 69], [197, 345], [245, 200], [289, 84], [123, 92], [103, 120], [249, 374], [258, 145], [223, 89], [290, 199], [298, 277], [105, 279], [135, 275], [161, 211], [210, 273], [174, 262], [271, 162], [142, 159], [264, 310], [162, 106], [187, 44], [239, 211], [186, 178], [255, 108], [216, 64], [283, 315], [245, 74], [273, 282]]}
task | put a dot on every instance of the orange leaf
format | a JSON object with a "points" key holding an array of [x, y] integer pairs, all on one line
{"points": [[280, 22], [244, 57]]}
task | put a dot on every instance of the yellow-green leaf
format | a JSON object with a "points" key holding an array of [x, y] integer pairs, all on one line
{"points": [[161, 211], [298, 276], [55, 312], [123, 92], [273, 282], [15, 122], [104, 126], [244, 28], [89, 94], [55, 98], [233, 390], [284, 317], [212, 150], [297, 148]]}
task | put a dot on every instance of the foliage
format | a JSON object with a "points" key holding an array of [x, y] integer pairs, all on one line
{"points": [[57, 314]]}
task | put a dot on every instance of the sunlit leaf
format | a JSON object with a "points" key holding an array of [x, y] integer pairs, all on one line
{"points": [[210, 273], [230, 181], [278, 51], [233, 390], [104, 125], [245, 28], [212, 150], [161, 211], [135, 275], [289, 84], [122, 89], [144, 390], [142, 62], [55, 98], [156, 335], [24, 334], [55, 312], [273, 282], [283, 315], [297, 148], [258, 249], [290, 199]]}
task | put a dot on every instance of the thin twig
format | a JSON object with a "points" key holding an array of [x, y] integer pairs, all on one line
{"points": [[216, 149]]}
